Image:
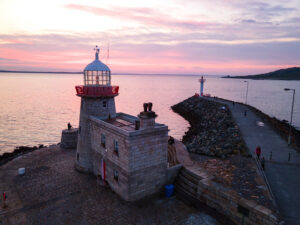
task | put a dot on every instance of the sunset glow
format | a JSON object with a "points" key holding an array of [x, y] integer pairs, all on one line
{"points": [[172, 36]]}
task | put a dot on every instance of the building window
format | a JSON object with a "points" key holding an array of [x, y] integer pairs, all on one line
{"points": [[104, 104], [116, 147], [116, 175], [103, 140], [77, 156]]}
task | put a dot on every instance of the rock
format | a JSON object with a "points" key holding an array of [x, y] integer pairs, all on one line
{"points": [[213, 131]]}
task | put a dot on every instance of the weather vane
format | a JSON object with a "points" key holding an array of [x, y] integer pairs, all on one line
{"points": [[97, 49]]}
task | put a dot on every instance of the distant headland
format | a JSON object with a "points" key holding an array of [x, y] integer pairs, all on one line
{"points": [[282, 74]]}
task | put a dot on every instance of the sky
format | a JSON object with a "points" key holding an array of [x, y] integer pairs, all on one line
{"points": [[217, 37]]}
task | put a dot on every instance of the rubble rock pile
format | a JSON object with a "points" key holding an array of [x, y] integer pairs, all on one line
{"points": [[7, 156], [213, 131]]}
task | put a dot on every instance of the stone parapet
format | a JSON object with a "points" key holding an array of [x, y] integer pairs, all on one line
{"points": [[224, 200]]}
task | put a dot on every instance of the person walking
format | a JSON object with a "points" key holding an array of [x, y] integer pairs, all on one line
{"points": [[258, 151]]}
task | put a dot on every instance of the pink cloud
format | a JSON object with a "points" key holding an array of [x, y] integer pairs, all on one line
{"points": [[54, 52], [145, 16]]}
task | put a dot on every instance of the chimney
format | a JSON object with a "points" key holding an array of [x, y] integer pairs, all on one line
{"points": [[147, 117], [137, 124]]}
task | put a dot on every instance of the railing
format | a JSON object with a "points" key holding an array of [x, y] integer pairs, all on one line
{"points": [[262, 172], [97, 90]]}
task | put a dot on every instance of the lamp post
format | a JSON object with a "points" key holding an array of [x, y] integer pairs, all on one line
{"points": [[246, 91], [290, 131]]}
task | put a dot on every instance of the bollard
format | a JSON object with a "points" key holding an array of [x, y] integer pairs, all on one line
{"points": [[289, 157], [271, 155]]}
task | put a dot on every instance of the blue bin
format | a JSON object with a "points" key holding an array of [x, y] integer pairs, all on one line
{"points": [[169, 189]]}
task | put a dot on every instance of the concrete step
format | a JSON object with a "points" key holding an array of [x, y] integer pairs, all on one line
{"points": [[183, 178], [190, 176], [179, 185], [179, 188]]}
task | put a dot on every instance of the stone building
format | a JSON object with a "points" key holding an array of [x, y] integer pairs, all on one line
{"points": [[127, 152]]}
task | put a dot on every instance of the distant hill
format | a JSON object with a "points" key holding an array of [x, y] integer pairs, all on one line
{"points": [[283, 74]]}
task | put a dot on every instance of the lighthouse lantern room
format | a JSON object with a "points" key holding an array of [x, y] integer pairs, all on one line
{"points": [[97, 80], [97, 73]]}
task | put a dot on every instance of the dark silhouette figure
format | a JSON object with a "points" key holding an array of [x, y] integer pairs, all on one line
{"points": [[245, 113], [69, 126]]}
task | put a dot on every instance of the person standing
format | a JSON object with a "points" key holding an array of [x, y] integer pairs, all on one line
{"points": [[258, 151]]}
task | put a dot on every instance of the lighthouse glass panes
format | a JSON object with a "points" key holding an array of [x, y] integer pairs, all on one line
{"points": [[97, 77]]}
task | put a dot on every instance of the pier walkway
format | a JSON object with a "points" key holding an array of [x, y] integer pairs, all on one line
{"points": [[282, 174]]}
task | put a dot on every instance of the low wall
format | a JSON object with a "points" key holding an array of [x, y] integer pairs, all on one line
{"points": [[172, 173], [228, 203]]}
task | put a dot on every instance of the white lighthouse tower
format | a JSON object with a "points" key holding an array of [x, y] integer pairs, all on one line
{"points": [[202, 80], [97, 99]]}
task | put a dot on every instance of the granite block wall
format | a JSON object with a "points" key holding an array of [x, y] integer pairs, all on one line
{"points": [[141, 160]]}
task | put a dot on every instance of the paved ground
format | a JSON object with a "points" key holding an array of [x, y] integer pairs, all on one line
{"points": [[283, 175], [52, 192]]}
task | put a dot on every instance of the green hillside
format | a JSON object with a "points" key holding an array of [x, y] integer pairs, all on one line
{"points": [[283, 74]]}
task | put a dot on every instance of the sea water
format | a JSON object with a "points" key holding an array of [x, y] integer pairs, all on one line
{"points": [[34, 108]]}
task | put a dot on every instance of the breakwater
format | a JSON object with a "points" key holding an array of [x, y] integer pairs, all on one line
{"points": [[228, 181], [212, 131]]}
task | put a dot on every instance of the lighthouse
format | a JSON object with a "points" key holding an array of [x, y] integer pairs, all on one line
{"points": [[201, 85], [129, 153], [97, 99]]}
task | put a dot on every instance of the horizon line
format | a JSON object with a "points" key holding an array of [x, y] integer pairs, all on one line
{"points": [[121, 73]]}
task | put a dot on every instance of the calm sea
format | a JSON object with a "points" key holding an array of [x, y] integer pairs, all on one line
{"points": [[36, 107]]}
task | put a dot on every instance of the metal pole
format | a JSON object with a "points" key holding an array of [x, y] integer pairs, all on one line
{"points": [[290, 131], [246, 91]]}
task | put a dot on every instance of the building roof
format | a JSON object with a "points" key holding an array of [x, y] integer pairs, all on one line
{"points": [[96, 65]]}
